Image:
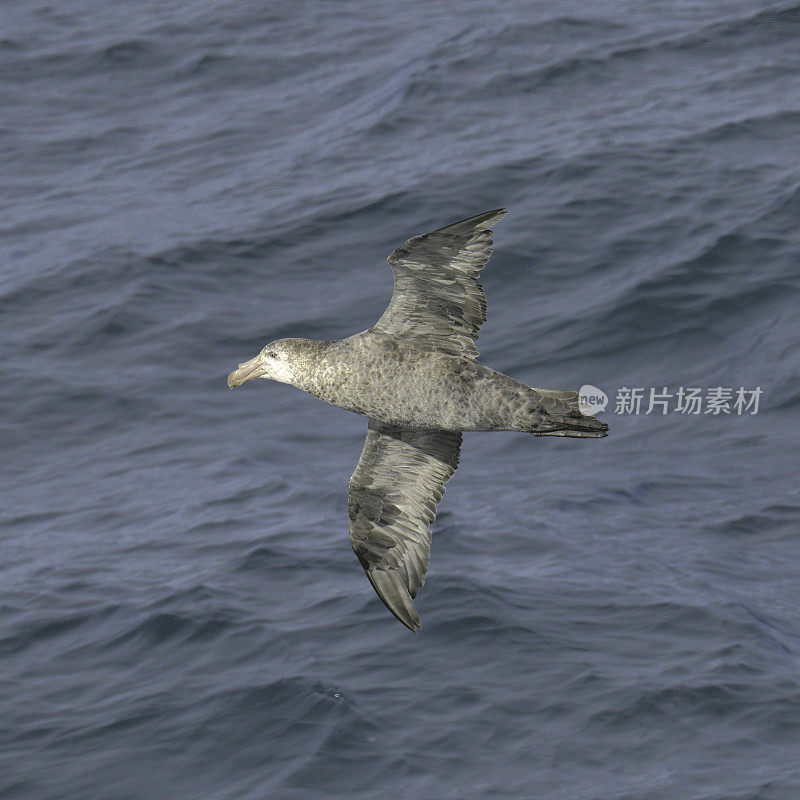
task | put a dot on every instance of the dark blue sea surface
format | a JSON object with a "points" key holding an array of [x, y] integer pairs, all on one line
{"points": [[181, 614]]}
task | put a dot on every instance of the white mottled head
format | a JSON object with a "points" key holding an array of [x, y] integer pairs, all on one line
{"points": [[281, 360]]}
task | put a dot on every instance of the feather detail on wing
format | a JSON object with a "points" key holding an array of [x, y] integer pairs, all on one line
{"points": [[394, 492], [437, 297]]}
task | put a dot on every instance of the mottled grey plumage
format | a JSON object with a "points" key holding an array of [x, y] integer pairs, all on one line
{"points": [[415, 375], [394, 492]]}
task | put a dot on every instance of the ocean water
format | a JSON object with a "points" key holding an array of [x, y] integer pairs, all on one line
{"points": [[181, 615]]}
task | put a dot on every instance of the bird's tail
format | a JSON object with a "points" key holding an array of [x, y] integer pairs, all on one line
{"points": [[564, 417]]}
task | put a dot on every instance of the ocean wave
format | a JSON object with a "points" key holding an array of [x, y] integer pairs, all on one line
{"points": [[183, 614]]}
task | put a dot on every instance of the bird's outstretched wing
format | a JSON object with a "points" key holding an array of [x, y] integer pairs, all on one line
{"points": [[437, 297], [394, 492]]}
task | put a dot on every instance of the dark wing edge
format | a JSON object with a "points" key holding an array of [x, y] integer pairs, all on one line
{"points": [[394, 491], [480, 222], [437, 297]]}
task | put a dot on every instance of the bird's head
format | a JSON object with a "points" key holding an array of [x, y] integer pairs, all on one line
{"points": [[275, 362]]}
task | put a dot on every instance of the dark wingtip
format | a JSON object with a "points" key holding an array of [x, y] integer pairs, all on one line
{"points": [[392, 590], [480, 222]]}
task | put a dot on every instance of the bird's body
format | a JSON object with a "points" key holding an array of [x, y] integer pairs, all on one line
{"points": [[415, 375], [402, 383]]}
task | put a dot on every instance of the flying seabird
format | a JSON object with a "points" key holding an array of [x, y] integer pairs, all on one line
{"points": [[415, 374]]}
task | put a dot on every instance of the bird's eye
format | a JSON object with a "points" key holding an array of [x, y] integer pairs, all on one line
{"points": [[272, 353]]}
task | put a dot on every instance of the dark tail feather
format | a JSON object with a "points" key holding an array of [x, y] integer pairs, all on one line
{"points": [[564, 418]]}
